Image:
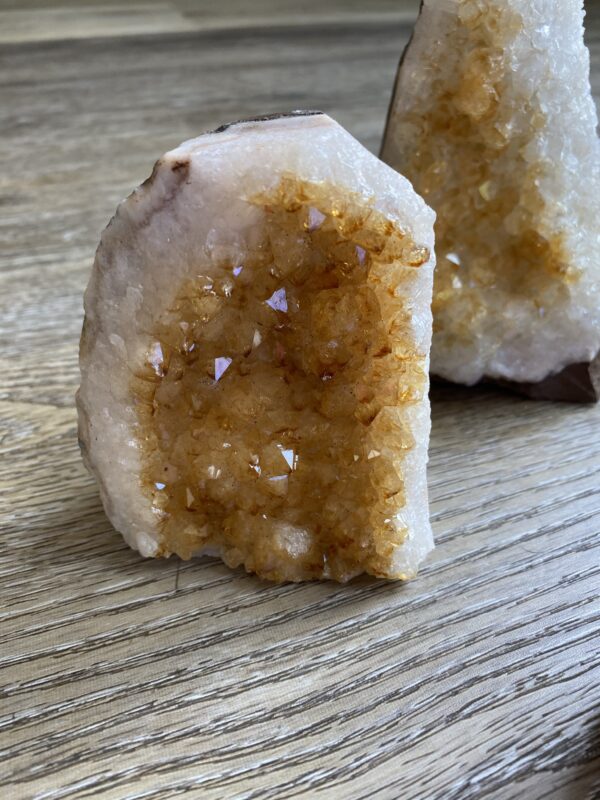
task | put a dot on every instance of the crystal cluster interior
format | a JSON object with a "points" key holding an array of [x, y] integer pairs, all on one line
{"points": [[269, 405]]}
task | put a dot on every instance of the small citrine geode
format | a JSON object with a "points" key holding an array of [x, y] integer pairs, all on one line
{"points": [[255, 356]]}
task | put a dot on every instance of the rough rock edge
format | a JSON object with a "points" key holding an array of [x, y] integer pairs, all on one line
{"points": [[575, 383], [392, 102], [267, 118], [90, 326]]}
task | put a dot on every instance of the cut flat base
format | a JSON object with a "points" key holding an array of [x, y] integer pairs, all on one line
{"points": [[271, 402], [577, 383]]}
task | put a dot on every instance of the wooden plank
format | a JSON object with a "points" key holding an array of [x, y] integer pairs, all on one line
{"points": [[47, 24], [42, 21], [480, 671]]}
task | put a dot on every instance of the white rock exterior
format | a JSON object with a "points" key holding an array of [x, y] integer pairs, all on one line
{"points": [[493, 121], [197, 209]]}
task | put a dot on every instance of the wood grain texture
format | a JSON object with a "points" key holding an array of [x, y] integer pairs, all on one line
{"points": [[125, 678]]}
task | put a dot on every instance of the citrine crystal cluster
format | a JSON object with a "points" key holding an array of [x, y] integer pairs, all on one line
{"points": [[493, 121], [255, 356]]}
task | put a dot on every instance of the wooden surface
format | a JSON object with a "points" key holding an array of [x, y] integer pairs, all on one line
{"points": [[125, 678]]}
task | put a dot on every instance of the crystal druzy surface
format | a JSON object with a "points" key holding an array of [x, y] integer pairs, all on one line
{"points": [[276, 397], [493, 121]]}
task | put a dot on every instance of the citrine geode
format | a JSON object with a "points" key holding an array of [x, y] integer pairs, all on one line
{"points": [[493, 121], [255, 356]]}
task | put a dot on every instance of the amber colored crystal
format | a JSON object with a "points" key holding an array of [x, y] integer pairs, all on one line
{"points": [[268, 408]]}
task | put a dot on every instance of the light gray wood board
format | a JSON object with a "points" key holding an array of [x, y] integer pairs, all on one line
{"points": [[128, 678]]}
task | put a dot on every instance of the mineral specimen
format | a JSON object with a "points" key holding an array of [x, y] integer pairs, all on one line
{"points": [[255, 356], [493, 121]]}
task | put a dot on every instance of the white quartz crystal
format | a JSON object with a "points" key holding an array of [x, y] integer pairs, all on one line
{"points": [[195, 214], [493, 121]]}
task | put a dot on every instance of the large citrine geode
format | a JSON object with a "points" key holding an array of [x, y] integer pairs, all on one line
{"points": [[272, 357]]}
